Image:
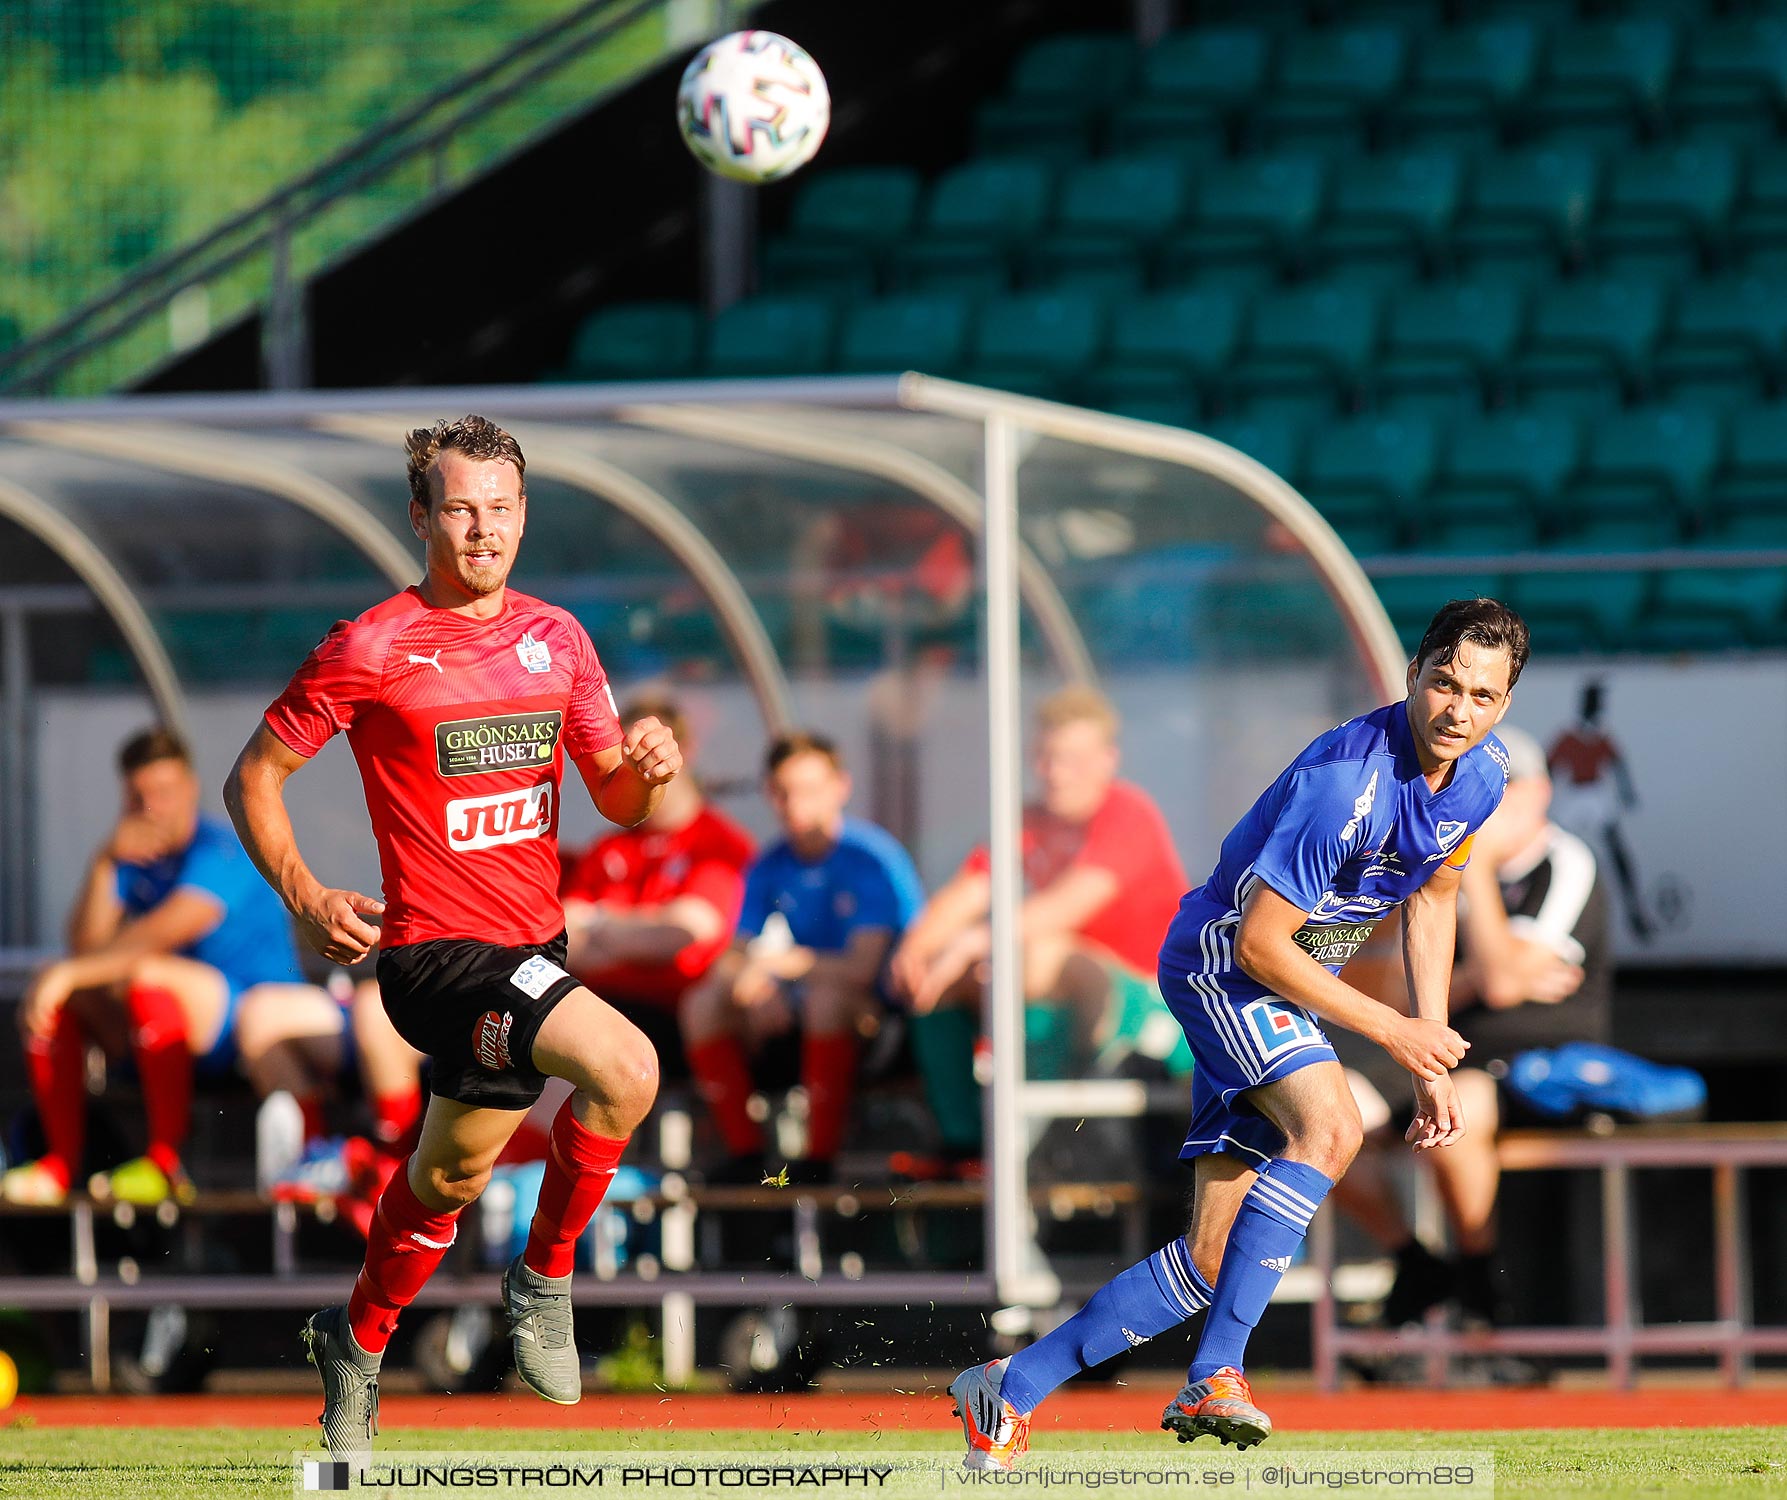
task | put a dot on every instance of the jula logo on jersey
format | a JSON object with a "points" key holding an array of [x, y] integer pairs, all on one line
{"points": [[506, 818]]}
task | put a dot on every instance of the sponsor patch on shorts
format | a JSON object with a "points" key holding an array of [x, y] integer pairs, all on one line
{"points": [[536, 976]]}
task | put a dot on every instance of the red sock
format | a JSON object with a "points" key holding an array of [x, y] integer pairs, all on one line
{"points": [[827, 1071], [404, 1246], [394, 1117], [579, 1166], [724, 1078], [57, 1065], [164, 1067], [311, 1106]]}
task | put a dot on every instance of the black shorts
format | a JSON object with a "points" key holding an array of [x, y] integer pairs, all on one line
{"points": [[475, 1008]]}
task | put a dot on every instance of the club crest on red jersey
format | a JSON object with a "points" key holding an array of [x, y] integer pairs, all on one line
{"points": [[534, 654]]}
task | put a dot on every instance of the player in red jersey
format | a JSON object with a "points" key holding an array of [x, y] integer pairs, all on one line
{"points": [[462, 700]]}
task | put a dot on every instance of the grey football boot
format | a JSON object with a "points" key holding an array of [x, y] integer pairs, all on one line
{"points": [[539, 1312], [350, 1385]]}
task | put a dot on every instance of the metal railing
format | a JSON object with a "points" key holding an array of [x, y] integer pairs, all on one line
{"points": [[61, 359]]}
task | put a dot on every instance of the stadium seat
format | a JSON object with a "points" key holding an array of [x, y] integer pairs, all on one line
{"points": [[1507, 463], [1316, 340], [1208, 66], [1606, 73], [1043, 130], [1447, 343], [1109, 215], [1184, 133], [1146, 392], [918, 331], [1753, 480], [1094, 65], [1727, 340], [1036, 342], [1275, 441], [1710, 609], [772, 335], [977, 215], [1330, 83], [1371, 466], [1750, 529], [1655, 460], [637, 341], [1390, 210], [1576, 531], [1667, 207], [1735, 69], [1759, 225], [1592, 338], [1411, 601], [841, 227], [1255, 212], [1574, 612], [1367, 536], [1476, 536], [1195, 331], [1465, 79], [1532, 205]]}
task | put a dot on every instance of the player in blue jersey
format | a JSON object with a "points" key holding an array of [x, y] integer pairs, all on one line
{"points": [[171, 927], [1374, 816], [822, 909]]}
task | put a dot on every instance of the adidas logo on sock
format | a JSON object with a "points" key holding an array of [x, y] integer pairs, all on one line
{"points": [[1279, 1263], [1136, 1340]]}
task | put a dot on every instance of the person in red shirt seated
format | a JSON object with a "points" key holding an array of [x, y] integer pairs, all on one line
{"points": [[650, 908], [1102, 882]]}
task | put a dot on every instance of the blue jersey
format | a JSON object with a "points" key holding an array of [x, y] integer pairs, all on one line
{"points": [[253, 943], [1348, 833], [865, 880]]}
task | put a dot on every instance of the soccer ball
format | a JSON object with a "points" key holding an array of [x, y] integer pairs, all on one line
{"points": [[753, 106]]}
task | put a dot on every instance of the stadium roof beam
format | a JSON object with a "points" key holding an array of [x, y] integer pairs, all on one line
{"points": [[549, 454]]}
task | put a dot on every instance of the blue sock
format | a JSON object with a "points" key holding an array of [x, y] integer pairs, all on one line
{"points": [[1270, 1225], [1152, 1296]]}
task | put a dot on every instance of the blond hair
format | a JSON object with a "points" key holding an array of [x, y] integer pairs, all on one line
{"points": [[1077, 704]]}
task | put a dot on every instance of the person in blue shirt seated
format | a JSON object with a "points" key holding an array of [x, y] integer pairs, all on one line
{"points": [[823, 907], [171, 929]]}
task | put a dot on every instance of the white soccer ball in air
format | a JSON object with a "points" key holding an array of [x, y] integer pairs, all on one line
{"points": [[753, 106]]}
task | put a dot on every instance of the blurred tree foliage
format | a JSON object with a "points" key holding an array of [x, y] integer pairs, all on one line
{"points": [[129, 127]]}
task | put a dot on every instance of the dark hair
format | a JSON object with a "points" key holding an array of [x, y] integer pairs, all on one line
{"points": [[474, 436], [150, 745], [792, 742], [1479, 622]]}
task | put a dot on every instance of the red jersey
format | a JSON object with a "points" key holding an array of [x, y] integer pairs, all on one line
{"points": [[461, 728], [1127, 836], [641, 867]]}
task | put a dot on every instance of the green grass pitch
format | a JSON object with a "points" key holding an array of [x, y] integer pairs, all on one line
{"points": [[215, 1463]]}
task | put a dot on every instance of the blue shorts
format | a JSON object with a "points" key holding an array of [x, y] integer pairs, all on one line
{"points": [[1237, 1045], [221, 1059]]}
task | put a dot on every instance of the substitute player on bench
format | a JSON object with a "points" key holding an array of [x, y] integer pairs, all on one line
{"points": [[1375, 815], [462, 701]]}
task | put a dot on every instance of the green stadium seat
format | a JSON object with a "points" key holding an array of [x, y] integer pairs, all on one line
{"points": [[912, 332], [1411, 601], [1667, 206], [772, 335], [1574, 612], [1367, 536], [1148, 393], [1465, 78], [1277, 442], [842, 224], [1311, 339], [1194, 331], [1192, 137], [1371, 466], [1036, 342], [1727, 339], [1330, 83], [1254, 212], [1096, 65], [1753, 480], [1760, 223], [1576, 531], [1735, 69], [1763, 528], [1208, 66], [977, 215], [637, 341], [1059, 133], [1108, 215], [1451, 339], [1654, 460], [1532, 205], [1606, 71], [1390, 210], [1595, 335], [1477, 536], [1507, 463], [1716, 608]]}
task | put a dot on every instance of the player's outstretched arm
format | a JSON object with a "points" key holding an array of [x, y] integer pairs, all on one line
{"points": [[330, 921], [1266, 949], [627, 781]]}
